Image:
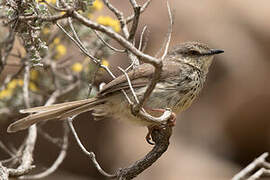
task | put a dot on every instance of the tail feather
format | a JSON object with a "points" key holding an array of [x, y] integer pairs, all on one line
{"points": [[54, 106], [58, 111], [79, 110]]}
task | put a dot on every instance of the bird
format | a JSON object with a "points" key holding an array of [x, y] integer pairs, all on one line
{"points": [[183, 75]]}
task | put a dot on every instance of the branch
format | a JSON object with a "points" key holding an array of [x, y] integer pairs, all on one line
{"points": [[141, 38], [143, 8], [258, 162], [137, 12], [121, 40], [161, 138], [57, 162], [91, 155], [29, 145], [169, 32], [107, 44], [3, 172]]}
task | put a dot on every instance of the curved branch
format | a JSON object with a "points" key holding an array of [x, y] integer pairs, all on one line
{"points": [[161, 138]]}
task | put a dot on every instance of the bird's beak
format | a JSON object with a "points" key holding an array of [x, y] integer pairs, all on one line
{"points": [[216, 51]]}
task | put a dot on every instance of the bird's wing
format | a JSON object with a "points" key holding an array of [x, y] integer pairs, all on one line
{"points": [[140, 77]]}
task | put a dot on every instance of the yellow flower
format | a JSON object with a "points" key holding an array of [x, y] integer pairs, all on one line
{"points": [[48, 1], [97, 5], [104, 62], [90, 16], [108, 21], [56, 40], [115, 25], [77, 67], [33, 74], [6, 93], [45, 31], [12, 84], [20, 82], [33, 87], [61, 50]]}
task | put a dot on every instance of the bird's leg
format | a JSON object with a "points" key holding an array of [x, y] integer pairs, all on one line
{"points": [[171, 122]]}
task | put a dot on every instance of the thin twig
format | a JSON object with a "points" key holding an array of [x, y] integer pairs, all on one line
{"points": [[130, 85], [144, 57], [169, 32], [143, 8], [58, 161], [54, 140], [107, 44], [26, 86], [248, 169], [27, 154], [2, 145], [141, 37], [260, 173], [85, 51], [135, 23], [91, 155], [161, 139], [119, 16], [29, 145], [3, 172], [78, 44]]}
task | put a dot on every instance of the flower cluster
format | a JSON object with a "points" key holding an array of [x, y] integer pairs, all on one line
{"points": [[108, 21], [12, 86]]}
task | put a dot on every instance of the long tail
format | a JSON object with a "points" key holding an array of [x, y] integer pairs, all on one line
{"points": [[56, 111]]}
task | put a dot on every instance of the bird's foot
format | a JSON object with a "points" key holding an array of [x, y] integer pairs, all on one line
{"points": [[171, 122]]}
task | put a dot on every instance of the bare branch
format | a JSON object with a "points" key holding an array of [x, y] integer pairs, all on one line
{"points": [[259, 174], [141, 37], [26, 86], [60, 92], [85, 51], [162, 120], [29, 145], [247, 170], [27, 155], [80, 45], [3, 172], [91, 155], [130, 85], [161, 139], [2, 145], [144, 57], [169, 32], [143, 8], [119, 16], [57, 162], [54, 7], [107, 44], [54, 140], [135, 22], [51, 18], [117, 13]]}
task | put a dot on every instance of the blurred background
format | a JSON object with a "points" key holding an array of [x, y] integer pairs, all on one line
{"points": [[224, 129]]}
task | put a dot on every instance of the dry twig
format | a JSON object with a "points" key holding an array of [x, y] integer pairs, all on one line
{"points": [[259, 162]]}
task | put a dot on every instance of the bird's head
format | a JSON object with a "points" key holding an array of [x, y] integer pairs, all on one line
{"points": [[195, 54]]}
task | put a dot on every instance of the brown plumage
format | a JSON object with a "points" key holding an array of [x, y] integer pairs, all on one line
{"points": [[183, 74]]}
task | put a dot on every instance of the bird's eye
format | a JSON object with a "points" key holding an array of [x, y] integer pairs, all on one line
{"points": [[194, 52]]}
